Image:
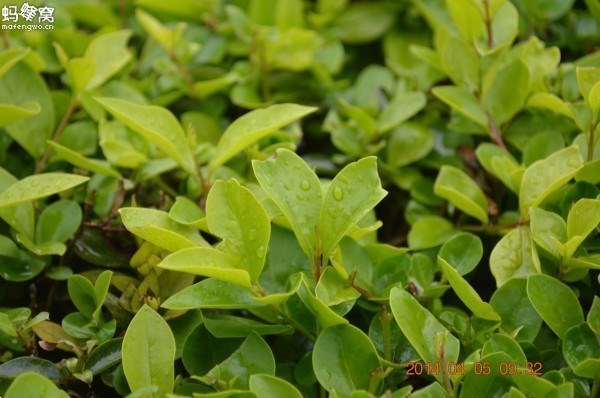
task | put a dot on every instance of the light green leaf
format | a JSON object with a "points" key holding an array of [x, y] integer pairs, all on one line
{"points": [[155, 124], [593, 316], [19, 217], [38, 186], [549, 102], [212, 293], [332, 289], [463, 252], [555, 302], [267, 386], [507, 92], [82, 294], [350, 196], [344, 359], [324, 315], [21, 85], [401, 108], [463, 101], [160, 33], [459, 59], [44, 388], [52, 224], [587, 78], [11, 113], [296, 190], [514, 256], [100, 291], [186, 212], [428, 232], [506, 344], [109, 53], [156, 227], [583, 218], [78, 160], [8, 58], [468, 18], [234, 215], [408, 143], [546, 176], [467, 294], [549, 231], [210, 262], [228, 326], [455, 186], [422, 329], [253, 126], [149, 352]]}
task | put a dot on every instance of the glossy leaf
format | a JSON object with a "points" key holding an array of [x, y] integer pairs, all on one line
{"points": [[555, 303], [344, 359], [149, 352], [37, 187], [44, 388], [350, 196], [234, 214], [455, 186], [155, 124], [514, 256], [463, 252], [253, 126]]}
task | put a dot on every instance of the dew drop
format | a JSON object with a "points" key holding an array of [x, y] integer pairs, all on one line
{"points": [[337, 193], [260, 252], [34, 183], [252, 235], [332, 212], [305, 185]]}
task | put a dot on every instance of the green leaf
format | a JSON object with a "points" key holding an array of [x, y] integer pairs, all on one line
{"points": [[587, 78], [20, 217], [82, 294], [296, 190], [267, 386], [593, 316], [511, 302], [422, 329], [253, 357], [234, 215], [428, 232], [459, 60], [463, 101], [546, 176], [52, 224], [101, 290], [455, 186], [210, 262], [408, 143], [186, 212], [253, 126], [38, 186], [44, 388], [581, 350], [549, 231], [12, 113], [467, 17], [401, 108], [491, 383], [105, 356], [506, 344], [507, 92], [149, 352], [156, 227], [555, 303], [9, 58], [227, 326], [212, 294], [514, 256], [325, 316], [18, 366], [548, 9], [21, 85], [202, 351], [78, 160], [344, 359], [332, 289], [155, 124], [351, 195], [109, 55], [583, 218], [463, 252], [467, 294]]}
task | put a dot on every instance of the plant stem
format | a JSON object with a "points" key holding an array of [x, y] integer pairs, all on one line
{"points": [[495, 133], [595, 388], [591, 142], [41, 165], [489, 23], [385, 331]]}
